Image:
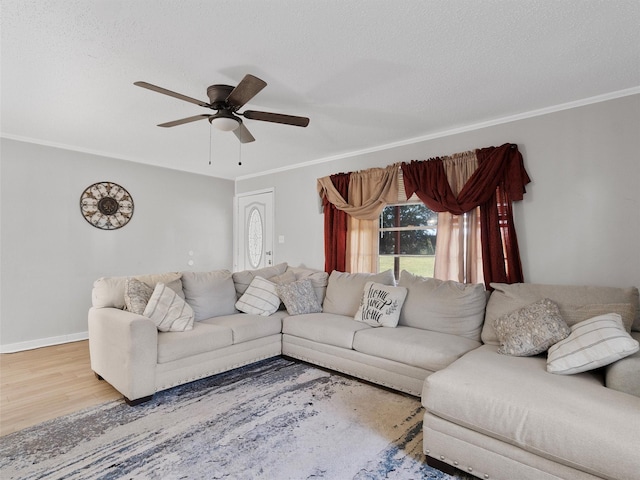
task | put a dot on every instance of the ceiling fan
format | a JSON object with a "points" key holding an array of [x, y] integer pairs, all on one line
{"points": [[227, 100]]}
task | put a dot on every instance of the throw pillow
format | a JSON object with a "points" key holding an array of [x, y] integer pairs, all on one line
{"points": [[531, 330], [344, 290], [136, 295], [593, 343], [299, 297], [381, 304], [169, 311], [260, 298], [210, 294]]}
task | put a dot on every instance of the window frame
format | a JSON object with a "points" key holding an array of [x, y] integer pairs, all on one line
{"points": [[398, 229]]}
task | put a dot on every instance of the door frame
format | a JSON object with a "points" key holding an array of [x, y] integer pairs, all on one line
{"points": [[236, 223]]}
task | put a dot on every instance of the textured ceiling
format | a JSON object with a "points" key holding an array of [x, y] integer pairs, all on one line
{"points": [[367, 73]]}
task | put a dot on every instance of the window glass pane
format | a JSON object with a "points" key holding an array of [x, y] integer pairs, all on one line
{"points": [[408, 242], [422, 266], [407, 239], [411, 215]]}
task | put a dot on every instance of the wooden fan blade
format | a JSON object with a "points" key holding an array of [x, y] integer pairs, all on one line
{"points": [[184, 120], [276, 118], [155, 88], [245, 91], [243, 134]]}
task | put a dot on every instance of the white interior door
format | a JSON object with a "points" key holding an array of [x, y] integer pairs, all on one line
{"points": [[254, 230]]}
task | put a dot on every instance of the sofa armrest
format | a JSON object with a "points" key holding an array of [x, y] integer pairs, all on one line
{"points": [[124, 350]]}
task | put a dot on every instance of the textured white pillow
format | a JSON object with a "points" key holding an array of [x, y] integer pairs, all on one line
{"points": [[260, 298], [592, 343], [299, 297], [168, 311], [136, 295], [531, 330], [381, 304]]}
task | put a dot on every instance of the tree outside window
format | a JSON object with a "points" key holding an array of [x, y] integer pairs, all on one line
{"points": [[407, 239]]}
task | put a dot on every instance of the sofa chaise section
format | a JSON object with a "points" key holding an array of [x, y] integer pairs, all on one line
{"points": [[503, 417]]}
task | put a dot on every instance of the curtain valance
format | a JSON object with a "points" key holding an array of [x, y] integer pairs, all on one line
{"points": [[497, 166], [369, 192]]}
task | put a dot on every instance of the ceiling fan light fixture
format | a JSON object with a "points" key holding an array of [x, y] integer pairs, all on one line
{"points": [[224, 121]]}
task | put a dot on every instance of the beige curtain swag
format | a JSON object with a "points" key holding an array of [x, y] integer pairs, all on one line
{"points": [[369, 192]]}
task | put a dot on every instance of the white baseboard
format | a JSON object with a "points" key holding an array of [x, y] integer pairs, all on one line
{"points": [[43, 342]]}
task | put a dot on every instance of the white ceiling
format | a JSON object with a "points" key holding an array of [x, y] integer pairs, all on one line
{"points": [[368, 73]]}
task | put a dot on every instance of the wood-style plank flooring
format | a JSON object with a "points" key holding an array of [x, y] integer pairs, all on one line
{"points": [[45, 383]]}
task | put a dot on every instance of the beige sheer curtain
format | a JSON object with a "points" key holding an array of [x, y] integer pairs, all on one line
{"points": [[459, 256], [375, 186]]}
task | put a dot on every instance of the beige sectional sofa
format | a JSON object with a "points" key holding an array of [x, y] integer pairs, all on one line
{"points": [[490, 414]]}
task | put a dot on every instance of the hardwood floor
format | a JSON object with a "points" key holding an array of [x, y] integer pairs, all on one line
{"points": [[45, 383]]}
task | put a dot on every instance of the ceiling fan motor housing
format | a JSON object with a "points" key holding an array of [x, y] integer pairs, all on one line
{"points": [[218, 96]]}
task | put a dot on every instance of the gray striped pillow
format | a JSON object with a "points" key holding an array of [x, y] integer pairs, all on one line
{"points": [[593, 343], [260, 298], [168, 310]]}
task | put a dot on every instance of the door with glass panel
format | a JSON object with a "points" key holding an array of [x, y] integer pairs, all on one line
{"points": [[254, 230]]}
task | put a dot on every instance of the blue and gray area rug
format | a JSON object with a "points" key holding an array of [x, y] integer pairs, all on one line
{"points": [[277, 419]]}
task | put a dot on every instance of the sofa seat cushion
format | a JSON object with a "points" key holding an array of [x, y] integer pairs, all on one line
{"points": [[413, 346], [328, 328], [202, 338], [248, 326], [573, 420]]}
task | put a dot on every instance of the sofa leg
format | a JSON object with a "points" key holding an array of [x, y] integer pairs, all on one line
{"points": [[98, 376], [442, 466], [137, 401]]}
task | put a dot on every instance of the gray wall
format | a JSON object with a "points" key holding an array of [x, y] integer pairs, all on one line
{"points": [[579, 222], [50, 255]]}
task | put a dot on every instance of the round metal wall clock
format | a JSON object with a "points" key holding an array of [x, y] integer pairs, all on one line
{"points": [[106, 205]]}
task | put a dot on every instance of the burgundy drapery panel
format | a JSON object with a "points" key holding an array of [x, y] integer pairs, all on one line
{"points": [[499, 180], [335, 227]]}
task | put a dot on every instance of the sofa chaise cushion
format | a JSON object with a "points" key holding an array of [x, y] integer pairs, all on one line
{"points": [[201, 339], [567, 419], [328, 328], [411, 346]]}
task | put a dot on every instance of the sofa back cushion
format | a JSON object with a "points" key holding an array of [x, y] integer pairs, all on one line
{"points": [[344, 290], [210, 294], [571, 299], [318, 279], [109, 291], [443, 306], [243, 279]]}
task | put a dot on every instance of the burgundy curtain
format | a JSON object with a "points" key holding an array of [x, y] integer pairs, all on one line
{"points": [[335, 227], [499, 180]]}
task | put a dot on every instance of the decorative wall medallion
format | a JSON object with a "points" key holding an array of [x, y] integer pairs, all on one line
{"points": [[106, 205]]}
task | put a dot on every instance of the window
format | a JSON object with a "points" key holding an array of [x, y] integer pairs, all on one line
{"points": [[407, 239]]}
